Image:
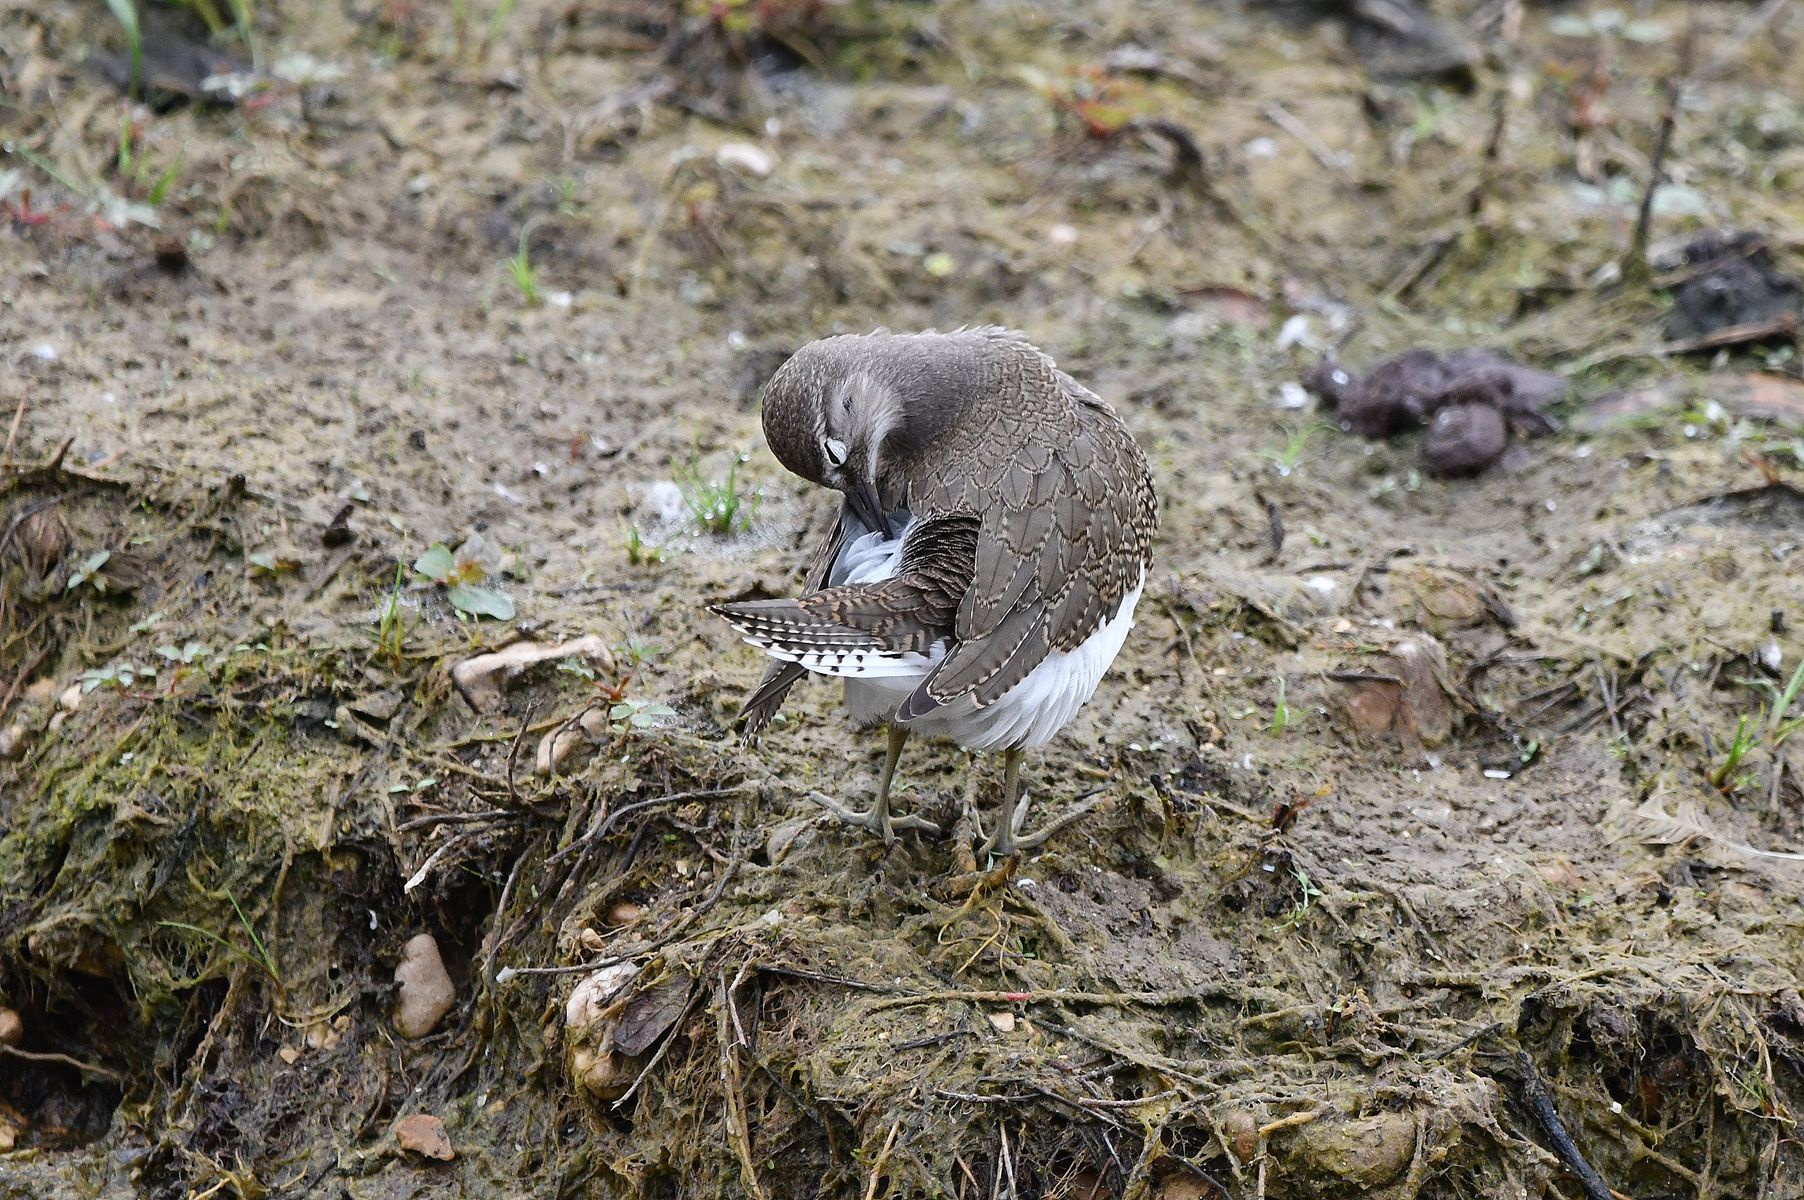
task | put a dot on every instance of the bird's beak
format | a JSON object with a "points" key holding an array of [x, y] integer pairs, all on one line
{"points": [[862, 498]]}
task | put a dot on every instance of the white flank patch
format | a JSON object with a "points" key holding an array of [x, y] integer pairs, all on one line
{"points": [[1028, 714]]}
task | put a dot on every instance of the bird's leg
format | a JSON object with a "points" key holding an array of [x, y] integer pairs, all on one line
{"points": [[1008, 838], [878, 819]]}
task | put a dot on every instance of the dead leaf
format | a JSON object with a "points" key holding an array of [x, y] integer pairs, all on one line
{"points": [[1406, 692], [425, 1135], [650, 1014], [1765, 397]]}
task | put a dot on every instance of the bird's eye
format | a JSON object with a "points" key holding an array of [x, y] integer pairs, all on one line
{"points": [[835, 452]]}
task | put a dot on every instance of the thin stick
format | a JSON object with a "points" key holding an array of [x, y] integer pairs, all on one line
{"points": [[63, 1059], [419, 876], [12, 435], [1675, 91], [513, 752], [1540, 1103], [870, 1189], [1288, 121]]}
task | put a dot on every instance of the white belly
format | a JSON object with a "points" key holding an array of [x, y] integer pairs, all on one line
{"points": [[1028, 714]]}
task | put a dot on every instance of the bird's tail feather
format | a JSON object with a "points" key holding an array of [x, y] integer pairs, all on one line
{"points": [[813, 641]]}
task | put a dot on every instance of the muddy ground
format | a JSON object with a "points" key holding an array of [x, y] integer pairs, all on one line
{"points": [[1438, 828]]}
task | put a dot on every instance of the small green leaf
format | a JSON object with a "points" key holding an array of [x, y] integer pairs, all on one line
{"points": [[436, 564], [481, 602]]}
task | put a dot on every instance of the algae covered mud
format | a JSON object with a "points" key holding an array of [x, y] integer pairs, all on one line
{"points": [[383, 412]]}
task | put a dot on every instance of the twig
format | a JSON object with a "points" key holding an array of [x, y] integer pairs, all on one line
{"points": [[733, 1092], [454, 818], [1286, 120], [695, 998], [1729, 335], [63, 1059], [857, 985], [18, 683], [613, 818], [513, 752], [1491, 1030], [870, 1190], [12, 435], [432, 860], [1540, 1104], [953, 995], [1675, 90]]}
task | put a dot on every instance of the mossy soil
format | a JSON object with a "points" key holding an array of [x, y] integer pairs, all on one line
{"points": [[1418, 812]]}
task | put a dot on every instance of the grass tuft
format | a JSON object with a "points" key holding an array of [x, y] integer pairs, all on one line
{"points": [[717, 506]]}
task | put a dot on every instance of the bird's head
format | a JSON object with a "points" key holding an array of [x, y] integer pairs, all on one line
{"points": [[845, 412]]}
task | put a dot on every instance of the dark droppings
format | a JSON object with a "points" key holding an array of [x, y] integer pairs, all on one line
{"points": [[1472, 400], [1728, 281], [1464, 439]]}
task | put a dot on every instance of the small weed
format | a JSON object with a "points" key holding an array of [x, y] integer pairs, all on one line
{"points": [[634, 653], [461, 580], [160, 189], [639, 714], [115, 675], [1288, 457], [1280, 711], [391, 622], [1744, 740], [125, 143], [89, 572], [1779, 703], [716, 506], [258, 955], [1103, 103], [520, 269], [1307, 894], [1772, 728], [569, 196], [185, 654], [638, 550], [241, 17], [497, 19]]}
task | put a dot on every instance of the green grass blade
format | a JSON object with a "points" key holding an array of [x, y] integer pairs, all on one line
{"points": [[126, 12], [241, 15]]}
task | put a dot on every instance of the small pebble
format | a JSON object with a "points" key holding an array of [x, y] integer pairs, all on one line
{"points": [[624, 912], [12, 1027], [425, 1135], [426, 989]]}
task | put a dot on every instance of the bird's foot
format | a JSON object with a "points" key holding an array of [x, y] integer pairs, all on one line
{"points": [[1008, 838], [877, 819]]}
